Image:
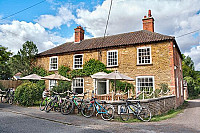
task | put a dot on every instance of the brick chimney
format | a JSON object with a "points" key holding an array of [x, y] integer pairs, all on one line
{"points": [[148, 22], [79, 34]]}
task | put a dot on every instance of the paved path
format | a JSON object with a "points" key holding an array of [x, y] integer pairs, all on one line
{"points": [[33, 120]]}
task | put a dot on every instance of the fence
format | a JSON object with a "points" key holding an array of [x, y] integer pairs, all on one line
{"points": [[10, 83]]}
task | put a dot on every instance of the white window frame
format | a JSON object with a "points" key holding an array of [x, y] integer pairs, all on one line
{"points": [[144, 77], [74, 62], [180, 61], [52, 85], [53, 63], [138, 55], [177, 89], [107, 58], [181, 87], [77, 87], [107, 86]]}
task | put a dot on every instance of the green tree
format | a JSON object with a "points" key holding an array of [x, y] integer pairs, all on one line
{"points": [[4, 57], [191, 76], [24, 60]]}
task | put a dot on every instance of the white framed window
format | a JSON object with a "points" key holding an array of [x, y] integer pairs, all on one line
{"points": [[52, 83], [144, 55], [181, 87], [177, 89], [180, 62], [112, 58], [78, 61], [145, 83], [102, 86], [78, 85], [53, 63]]}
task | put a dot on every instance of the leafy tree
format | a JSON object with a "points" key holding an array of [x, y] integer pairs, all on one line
{"points": [[4, 57], [24, 60], [191, 76]]}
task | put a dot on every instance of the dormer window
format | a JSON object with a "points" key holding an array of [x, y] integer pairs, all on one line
{"points": [[78, 61], [53, 63]]}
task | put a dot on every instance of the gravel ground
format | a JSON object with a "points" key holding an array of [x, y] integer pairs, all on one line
{"points": [[14, 119]]}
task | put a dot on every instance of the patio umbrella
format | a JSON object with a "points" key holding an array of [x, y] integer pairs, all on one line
{"points": [[56, 77], [116, 75], [32, 77], [99, 75]]}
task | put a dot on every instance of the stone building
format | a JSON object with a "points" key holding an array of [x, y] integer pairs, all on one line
{"points": [[146, 56]]}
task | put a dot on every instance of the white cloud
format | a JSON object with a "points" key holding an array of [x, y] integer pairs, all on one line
{"points": [[175, 17], [64, 16], [194, 53], [15, 34]]}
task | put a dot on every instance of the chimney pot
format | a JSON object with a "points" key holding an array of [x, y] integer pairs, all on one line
{"points": [[149, 14], [145, 16]]}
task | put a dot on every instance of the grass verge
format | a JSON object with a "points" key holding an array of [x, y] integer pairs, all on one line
{"points": [[170, 114]]}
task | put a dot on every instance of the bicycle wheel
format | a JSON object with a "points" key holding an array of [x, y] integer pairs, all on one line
{"points": [[109, 112], [49, 106], [87, 109], [124, 112], [43, 104], [10, 101], [144, 114], [67, 107]]}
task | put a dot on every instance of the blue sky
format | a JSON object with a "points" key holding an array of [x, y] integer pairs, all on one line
{"points": [[52, 22]]}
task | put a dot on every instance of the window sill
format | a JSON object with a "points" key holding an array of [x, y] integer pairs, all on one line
{"points": [[112, 66], [77, 68], [144, 64], [53, 69]]}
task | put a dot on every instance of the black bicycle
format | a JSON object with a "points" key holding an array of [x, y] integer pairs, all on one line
{"points": [[7, 96], [136, 109], [55, 102], [68, 105]]}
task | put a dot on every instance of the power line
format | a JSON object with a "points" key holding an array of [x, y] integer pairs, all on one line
{"points": [[188, 33], [23, 10], [108, 19]]}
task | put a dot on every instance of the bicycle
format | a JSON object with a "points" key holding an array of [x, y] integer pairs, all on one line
{"points": [[68, 105], [142, 113], [8, 96], [106, 111], [44, 103], [55, 102]]}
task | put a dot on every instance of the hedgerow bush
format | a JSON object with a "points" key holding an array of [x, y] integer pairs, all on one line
{"points": [[27, 93]]}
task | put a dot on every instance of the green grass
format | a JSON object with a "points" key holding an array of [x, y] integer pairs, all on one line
{"points": [[170, 114]]}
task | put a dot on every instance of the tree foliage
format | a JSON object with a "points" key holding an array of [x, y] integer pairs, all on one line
{"points": [[24, 60], [191, 76], [4, 57]]}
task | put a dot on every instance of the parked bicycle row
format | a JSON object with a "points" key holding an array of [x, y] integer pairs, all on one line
{"points": [[67, 105]]}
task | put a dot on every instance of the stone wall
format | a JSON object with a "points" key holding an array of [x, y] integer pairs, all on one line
{"points": [[157, 106]]}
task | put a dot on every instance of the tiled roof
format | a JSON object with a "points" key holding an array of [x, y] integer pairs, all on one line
{"points": [[132, 38]]}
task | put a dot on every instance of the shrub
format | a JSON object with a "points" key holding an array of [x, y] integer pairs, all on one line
{"points": [[27, 93], [122, 86], [62, 86], [2, 87], [64, 71]]}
